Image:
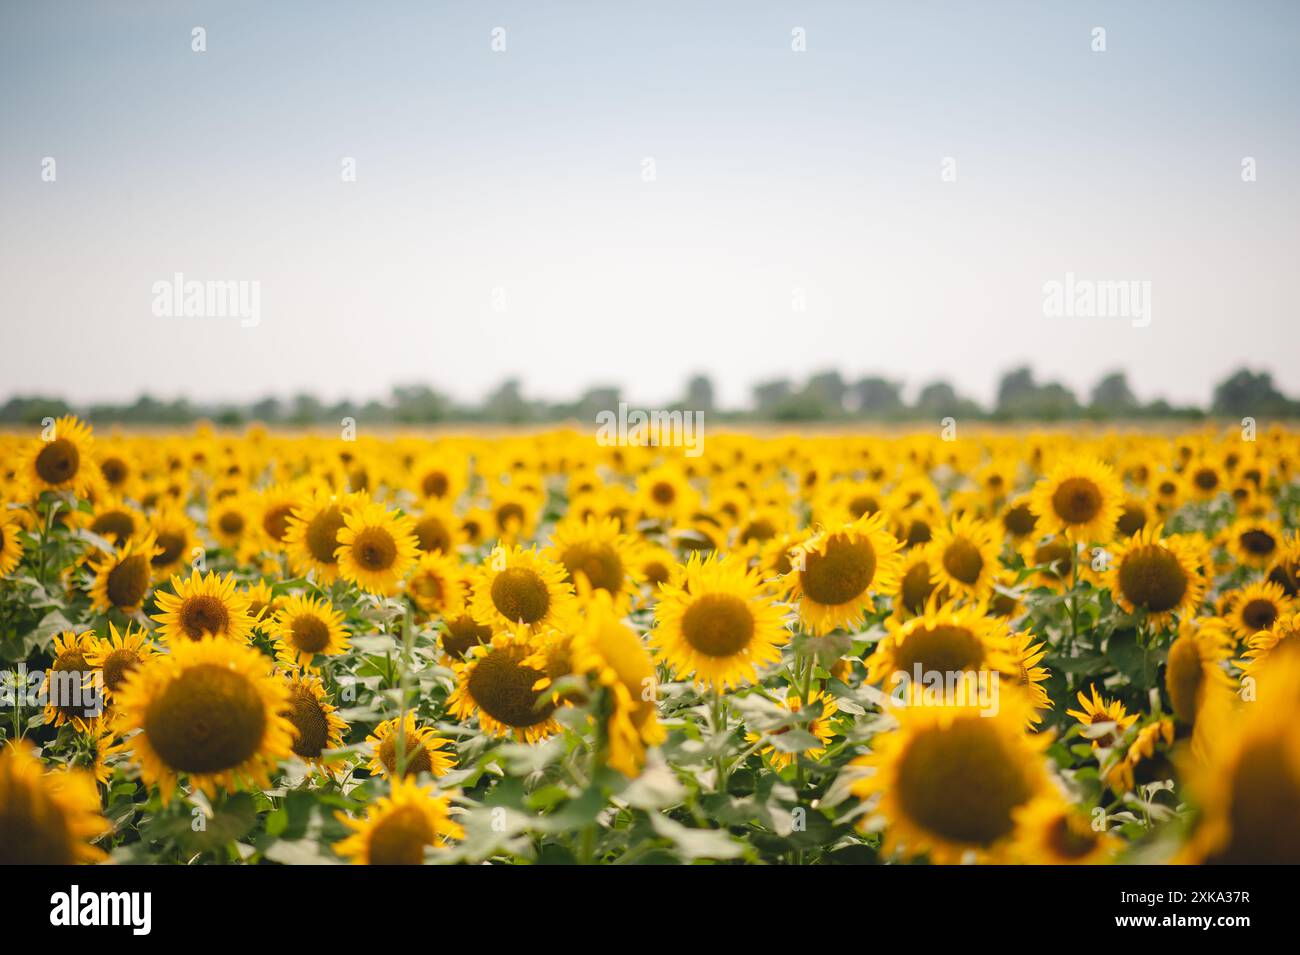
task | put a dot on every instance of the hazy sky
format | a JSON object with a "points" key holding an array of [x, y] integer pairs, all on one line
{"points": [[516, 177]]}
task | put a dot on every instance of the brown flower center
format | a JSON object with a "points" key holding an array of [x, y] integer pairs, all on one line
{"points": [[208, 720], [520, 595], [718, 625], [841, 571]]}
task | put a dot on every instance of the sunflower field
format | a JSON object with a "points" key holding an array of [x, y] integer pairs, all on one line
{"points": [[531, 647]]}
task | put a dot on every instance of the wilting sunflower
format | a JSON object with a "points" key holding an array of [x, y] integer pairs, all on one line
{"points": [[1246, 775], [439, 584], [312, 534], [203, 606], [423, 747], [819, 726], [1103, 723], [316, 725], [718, 622], [11, 546], [516, 586], [397, 828], [122, 578], [1146, 760], [1080, 497], [118, 654], [964, 556], [1157, 575], [838, 568], [1195, 668], [460, 633], [46, 818], [174, 534], [62, 459], [71, 690], [498, 683], [600, 553], [949, 779], [1049, 831], [306, 627], [211, 709], [1257, 607], [614, 655], [376, 548]]}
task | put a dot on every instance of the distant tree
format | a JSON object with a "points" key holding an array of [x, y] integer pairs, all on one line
{"points": [[699, 394], [769, 395], [418, 404], [876, 397], [1015, 387], [507, 404], [1112, 396], [828, 389], [1249, 393]]}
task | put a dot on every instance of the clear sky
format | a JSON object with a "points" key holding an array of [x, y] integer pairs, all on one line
{"points": [[517, 177]]}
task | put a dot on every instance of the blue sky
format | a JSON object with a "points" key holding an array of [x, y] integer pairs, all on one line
{"points": [[516, 177]]}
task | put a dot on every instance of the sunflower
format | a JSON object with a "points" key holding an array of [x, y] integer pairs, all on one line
{"points": [[514, 513], [1026, 673], [435, 480], [1080, 497], [950, 778], [262, 603], [376, 548], [11, 545], [203, 606], [1253, 542], [614, 655], [117, 655], [317, 727], [1155, 575], [46, 818], [1285, 633], [598, 552], [211, 709], [945, 639], [1246, 777], [312, 533], [122, 578], [438, 529], [1133, 517], [654, 564], [718, 622], [62, 459], [1169, 491], [1103, 723], [271, 510], [1257, 607], [517, 586], [423, 748], [174, 534], [439, 585], [230, 519], [71, 688], [964, 556], [837, 569], [398, 827], [306, 627], [115, 520], [1206, 477], [819, 726], [665, 495], [1018, 519], [1195, 668], [1049, 831], [498, 683], [1285, 570], [916, 585]]}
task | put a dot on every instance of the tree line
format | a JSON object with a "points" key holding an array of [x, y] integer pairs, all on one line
{"points": [[823, 397]]}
